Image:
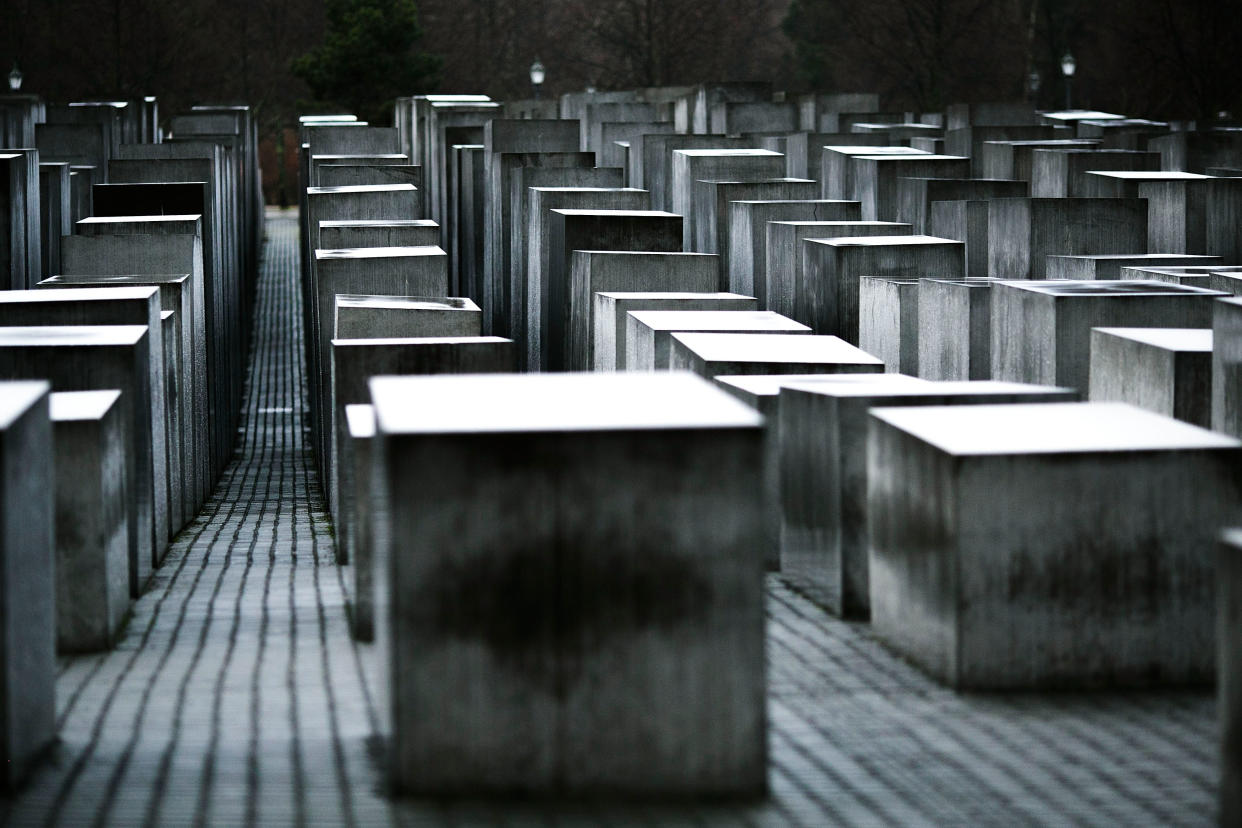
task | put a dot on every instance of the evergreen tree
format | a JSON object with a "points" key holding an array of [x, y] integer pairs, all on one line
{"points": [[368, 57]]}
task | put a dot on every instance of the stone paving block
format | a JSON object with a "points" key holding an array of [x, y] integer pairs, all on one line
{"points": [[1055, 605], [92, 524], [686, 459], [1164, 370], [824, 471], [1041, 331], [649, 333], [595, 271], [27, 578]]}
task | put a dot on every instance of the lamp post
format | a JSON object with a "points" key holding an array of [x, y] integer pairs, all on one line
{"points": [[536, 76], [15, 78], [1068, 67]]}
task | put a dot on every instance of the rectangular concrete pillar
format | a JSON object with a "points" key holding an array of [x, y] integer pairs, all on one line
{"points": [[715, 354]]}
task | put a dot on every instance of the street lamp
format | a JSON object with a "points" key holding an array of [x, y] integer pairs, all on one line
{"points": [[536, 76], [1068, 67], [15, 78]]}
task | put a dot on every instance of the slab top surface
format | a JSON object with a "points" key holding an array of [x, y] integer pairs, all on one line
{"points": [[1108, 287], [378, 223], [421, 341], [356, 300], [573, 211], [1198, 340], [717, 320], [709, 153], [743, 347], [882, 241], [927, 388], [1049, 428], [670, 295], [71, 335], [968, 283], [83, 294], [905, 156], [66, 406], [363, 188], [770, 385], [842, 223], [134, 279], [16, 397], [139, 219], [380, 252], [477, 403], [1083, 115], [1150, 175], [872, 151], [1134, 257], [360, 418]]}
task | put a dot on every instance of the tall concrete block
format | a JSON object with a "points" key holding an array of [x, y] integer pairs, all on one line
{"points": [[953, 603], [92, 524], [1063, 173], [1165, 370], [888, 322], [837, 168], [656, 171], [1041, 331], [1015, 159], [1113, 266], [595, 271], [342, 235], [356, 361], [571, 230], [691, 165], [612, 311], [1023, 232], [824, 474], [98, 358], [915, 196], [1229, 673], [748, 257], [783, 269], [648, 335], [955, 329], [27, 578], [648, 558], [876, 178], [713, 202], [827, 297], [55, 214], [1227, 366], [355, 515]]}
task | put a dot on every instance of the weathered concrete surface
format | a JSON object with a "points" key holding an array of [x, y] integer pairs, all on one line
{"points": [[525, 707], [827, 296], [888, 322], [955, 329], [1164, 370], [786, 259], [1054, 603], [713, 354], [1023, 232], [824, 472], [1041, 331], [1226, 321], [649, 333], [613, 308]]}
